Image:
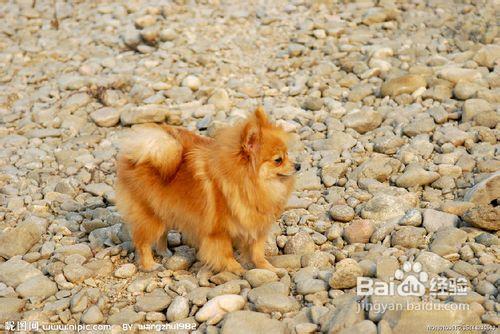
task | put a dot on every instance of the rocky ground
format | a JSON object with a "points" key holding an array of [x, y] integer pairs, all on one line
{"points": [[395, 107]]}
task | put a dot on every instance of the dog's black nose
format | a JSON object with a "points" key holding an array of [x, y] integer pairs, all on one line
{"points": [[297, 167]]}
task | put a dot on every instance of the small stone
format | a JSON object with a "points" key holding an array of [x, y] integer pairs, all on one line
{"points": [[384, 207], [182, 259], [409, 237], [192, 82], [433, 263], [126, 316], [106, 116], [343, 213], [76, 273], [276, 303], [313, 103], [359, 231], [178, 309], [346, 273], [217, 307], [300, 243], [405, 84], [363, 120], [220, 99], [474, 107], [144, 114], [415, 175], [487, 239], [92, 315], [359, 92], [152, 302], [411, 218], [386, 267], [308, 286], [257, 277], [125, 270], [243, 322], [288, 261]]}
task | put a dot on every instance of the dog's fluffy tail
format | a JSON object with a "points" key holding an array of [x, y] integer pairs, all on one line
{"points": [[155, 146]]}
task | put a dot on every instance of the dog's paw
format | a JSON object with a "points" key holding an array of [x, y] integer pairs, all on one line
{"points": [[236, 269]]}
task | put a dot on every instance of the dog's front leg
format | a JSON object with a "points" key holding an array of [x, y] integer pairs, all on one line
{"points": [[256, 249]]}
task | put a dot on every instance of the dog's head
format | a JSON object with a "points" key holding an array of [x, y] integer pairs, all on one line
{"points": [[264, 147]]}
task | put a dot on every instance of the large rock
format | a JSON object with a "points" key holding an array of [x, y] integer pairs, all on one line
{"points": [[434, 220], [20, 239], [483, 216], [418, 322], [448, 241], [37, 286], [15, 271], [10, 308], [486, 191], [244, 322], [347, 314]]}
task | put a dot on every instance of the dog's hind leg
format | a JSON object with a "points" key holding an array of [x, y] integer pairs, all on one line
{"points": [[145, 232], [162, 246]]}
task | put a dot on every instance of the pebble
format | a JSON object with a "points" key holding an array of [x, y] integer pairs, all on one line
{"points": [[178, 309], [92, 315], [345, 275], [241, 322], [395, 132], [300, 243], [343, 213], [106, 116], [126, 270], [217, 307], [257, 277], [405, 84], [359, 231]]}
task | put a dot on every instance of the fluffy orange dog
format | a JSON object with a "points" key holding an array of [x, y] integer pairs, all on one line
{"points": [[219, 193]]}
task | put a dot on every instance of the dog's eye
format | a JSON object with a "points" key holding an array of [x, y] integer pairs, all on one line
{"points": [[278, 161]]}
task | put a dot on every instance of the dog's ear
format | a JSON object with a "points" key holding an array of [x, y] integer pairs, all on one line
{"points": [[261, 116], [252, 131], [250, 140]]}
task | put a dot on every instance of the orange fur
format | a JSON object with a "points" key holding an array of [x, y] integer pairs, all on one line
{"points": [[218, 193]]}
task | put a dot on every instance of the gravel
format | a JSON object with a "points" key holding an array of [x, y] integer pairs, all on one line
{"points": [[394, 115]]}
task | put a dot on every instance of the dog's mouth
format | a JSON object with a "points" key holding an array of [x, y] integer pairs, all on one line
{"points": [[285, 175]]}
